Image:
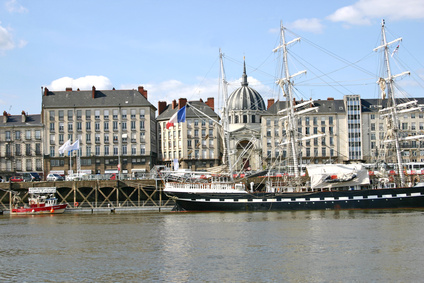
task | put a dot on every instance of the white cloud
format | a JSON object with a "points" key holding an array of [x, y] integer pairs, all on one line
{"points": [[83, 83], [13, 6], [311, 25], [6, 40], [363, 11], [173, 89]]}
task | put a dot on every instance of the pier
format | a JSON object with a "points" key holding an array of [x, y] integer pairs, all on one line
{"points": [[95, 194]]}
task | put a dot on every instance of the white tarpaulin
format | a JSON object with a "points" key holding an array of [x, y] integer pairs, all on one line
{"points": [[337, 175]]}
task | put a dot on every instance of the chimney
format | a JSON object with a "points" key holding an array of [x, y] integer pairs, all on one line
{"points": [[142, 91], [271, 102], [161, 107], [93, 92], [330, 98], [69, 89], [211, 103], [46, 90], [182, 102], [174, 104], [23, 116], [5, 115]]}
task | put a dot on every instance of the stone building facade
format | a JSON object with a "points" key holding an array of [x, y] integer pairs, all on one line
{"points": [[116, 130], [21, 144]]}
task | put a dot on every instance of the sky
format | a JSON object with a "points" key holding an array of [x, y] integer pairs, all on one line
{"points": [[171, 48]]}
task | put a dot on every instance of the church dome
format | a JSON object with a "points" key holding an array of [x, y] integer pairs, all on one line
{"points": [[245, 97]]}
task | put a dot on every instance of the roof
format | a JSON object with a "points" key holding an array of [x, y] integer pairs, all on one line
{"points": [[245, 97], [16, 121], [190, 112], [324, 106], [103, 98]]}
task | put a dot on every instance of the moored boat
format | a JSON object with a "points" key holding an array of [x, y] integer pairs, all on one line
{"points": [[40, 201], [325, 186]]}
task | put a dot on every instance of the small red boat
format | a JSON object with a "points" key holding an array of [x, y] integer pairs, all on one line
{"points": [[41, 201]]}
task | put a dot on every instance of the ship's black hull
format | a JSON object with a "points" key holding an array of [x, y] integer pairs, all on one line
{"points": [[401, 198]]}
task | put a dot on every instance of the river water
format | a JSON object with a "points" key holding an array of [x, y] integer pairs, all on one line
{"points": [[301, 246]]}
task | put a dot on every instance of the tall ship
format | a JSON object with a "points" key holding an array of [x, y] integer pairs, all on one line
{"points": [[318, 186]]}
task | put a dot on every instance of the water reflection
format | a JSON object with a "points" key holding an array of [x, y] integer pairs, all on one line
{"points": [[299, 246]]}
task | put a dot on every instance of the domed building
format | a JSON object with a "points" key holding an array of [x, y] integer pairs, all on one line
{"points": [[245, 107]]}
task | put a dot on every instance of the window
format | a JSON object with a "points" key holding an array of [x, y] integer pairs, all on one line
{"points": [[38, 135], [97, 126], [141, 113], [70, 115], [97, 150], [51, 115], [38, 149], [88, 114], [70, 127], [88, 151], [372, 126], [106, 126], [106, 150], [106, 138], [17, 149], [142, 149], [79, 114], [79, 126], [61, 115], [106, 114], [124, 113], [51, 127], [96, 114], [61, 126], [330, 120], [28, 165], [115, 125]]}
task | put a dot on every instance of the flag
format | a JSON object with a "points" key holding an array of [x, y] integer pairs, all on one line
{"points": [[74, 146], [394, 51], [65, 146], [178, 117]]}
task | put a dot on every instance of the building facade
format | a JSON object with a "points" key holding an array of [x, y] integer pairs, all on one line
{"points": [[195, 144], [21, 144], [116, 130]]}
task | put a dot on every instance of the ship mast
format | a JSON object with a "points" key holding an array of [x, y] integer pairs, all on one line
{"points": [[226, 132], [392, 116], [286, 85]]}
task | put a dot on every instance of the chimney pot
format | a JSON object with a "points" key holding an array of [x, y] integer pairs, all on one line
{"points": [[182, 102], [211, 103], [69, 89], [161, 107], [174, 104], [271, 101], [142, 91], [93, 92]]}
